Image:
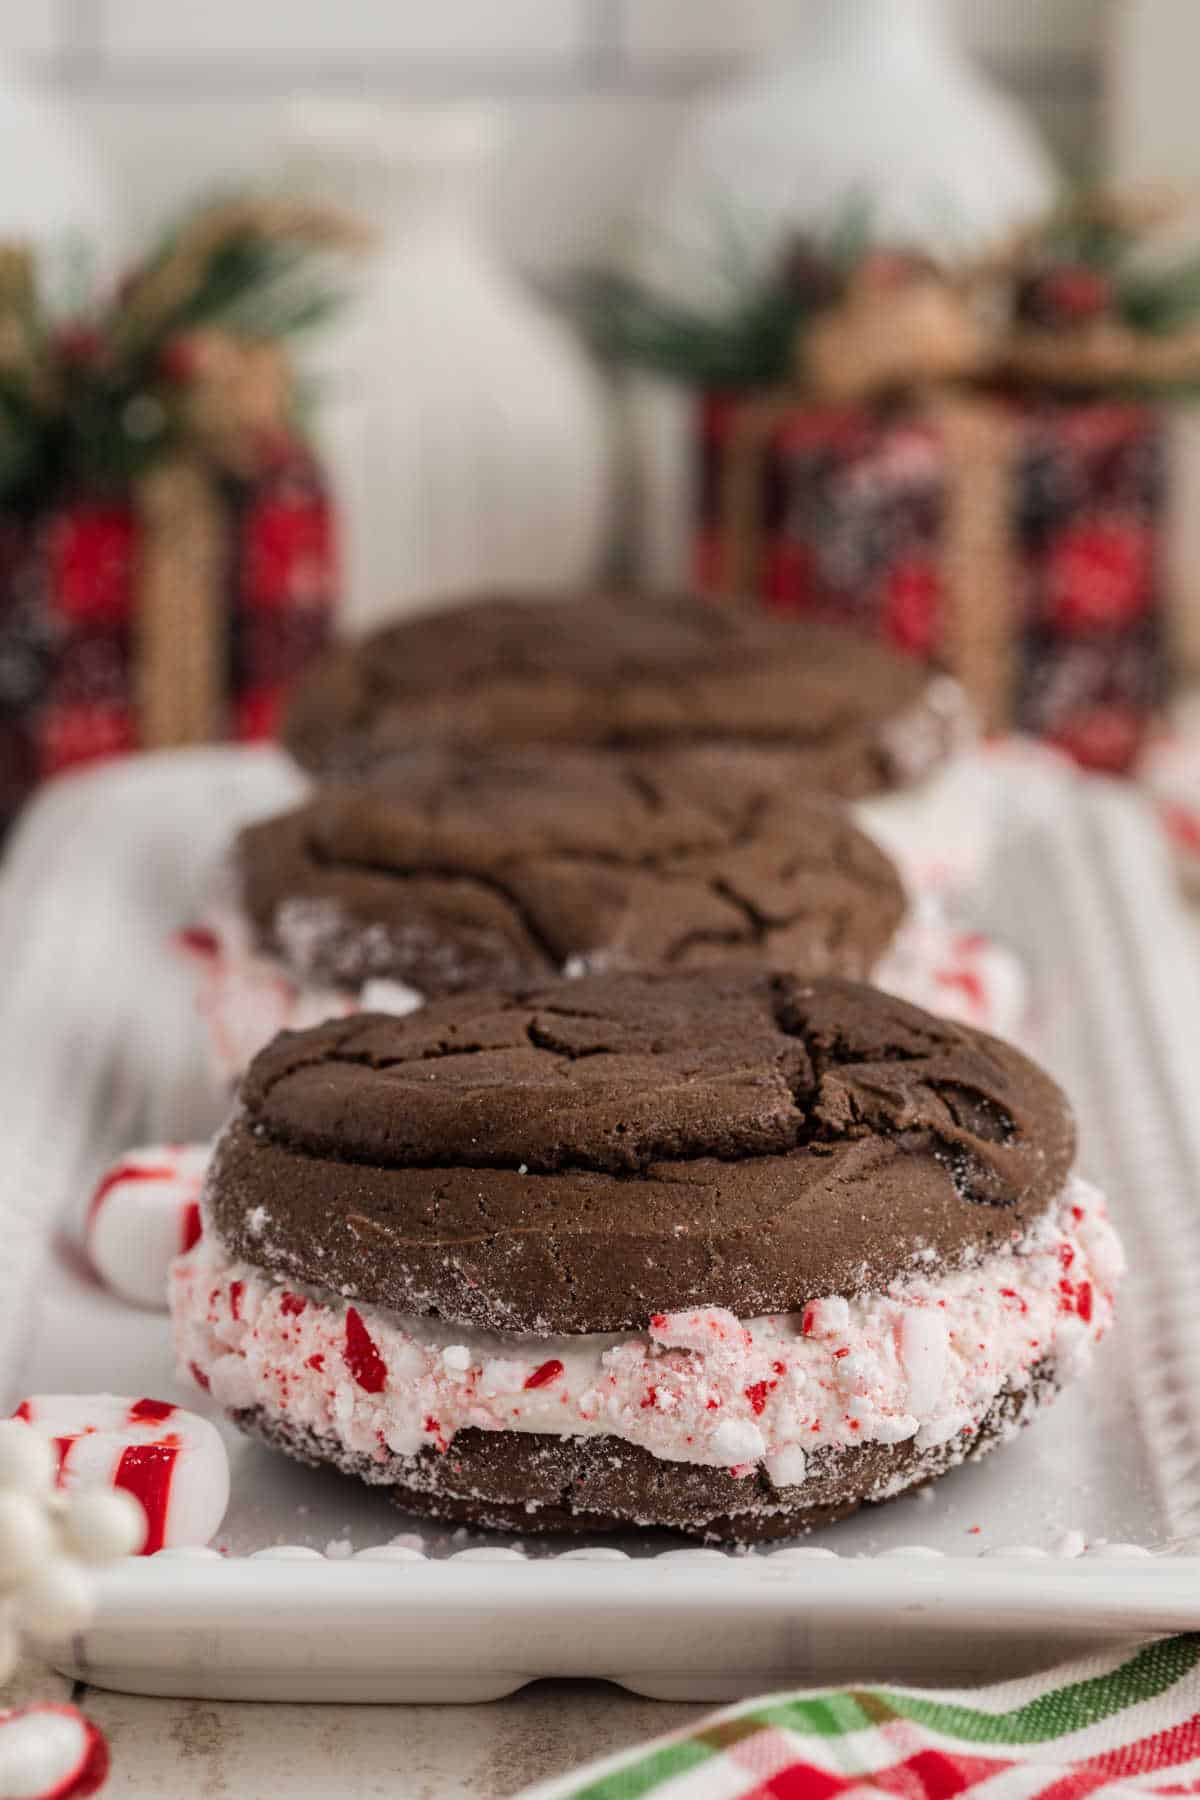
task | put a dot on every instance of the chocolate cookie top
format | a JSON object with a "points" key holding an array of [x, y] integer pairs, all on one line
{"points": [[840, 714], [471, 871], [576, 1157]]}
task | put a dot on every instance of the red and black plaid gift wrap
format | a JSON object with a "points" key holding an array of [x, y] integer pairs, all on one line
{"points": [[853, 512], [69, 598]]}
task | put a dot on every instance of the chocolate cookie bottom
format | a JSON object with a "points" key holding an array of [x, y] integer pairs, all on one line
{"points": [[526, 1482]]}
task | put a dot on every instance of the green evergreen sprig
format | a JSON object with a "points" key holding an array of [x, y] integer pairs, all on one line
{"points": [[1087, 259], [98, 397]]}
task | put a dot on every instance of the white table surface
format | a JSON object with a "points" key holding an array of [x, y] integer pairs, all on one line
{"points": [[194, 1748]]}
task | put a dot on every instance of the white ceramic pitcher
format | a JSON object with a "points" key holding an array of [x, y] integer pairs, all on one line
{"points": [[466, 431]]}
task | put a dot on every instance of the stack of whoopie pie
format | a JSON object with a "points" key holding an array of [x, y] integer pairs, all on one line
{"points": [[608, 1193], [510, 791]]}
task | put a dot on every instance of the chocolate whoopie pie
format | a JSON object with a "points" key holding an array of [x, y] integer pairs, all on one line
{"points": [[818, 707], [472, 871], [722, 1250]]}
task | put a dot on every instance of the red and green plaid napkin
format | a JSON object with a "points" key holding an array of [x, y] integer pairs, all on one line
{"points": [[1125, 1722]]}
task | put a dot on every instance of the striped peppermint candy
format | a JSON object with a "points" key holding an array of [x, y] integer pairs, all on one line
{"points": [[170, 1460], [51, 1752], [144, 1213]]}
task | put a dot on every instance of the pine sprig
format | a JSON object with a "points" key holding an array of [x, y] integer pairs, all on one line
{"points": [[1082, 265], [99, 397], [21, 434], [747, 342], [747, 346], [1162, 299]]}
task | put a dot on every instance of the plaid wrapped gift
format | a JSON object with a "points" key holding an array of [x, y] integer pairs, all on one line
{"points": [[1127, 1722], [1018, 544], [178, 611]]}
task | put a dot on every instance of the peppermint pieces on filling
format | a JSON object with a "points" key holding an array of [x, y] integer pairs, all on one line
{"points": [[924, 1360]]}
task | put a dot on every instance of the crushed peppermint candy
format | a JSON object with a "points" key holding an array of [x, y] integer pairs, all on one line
{"points": [[925, 1360]]}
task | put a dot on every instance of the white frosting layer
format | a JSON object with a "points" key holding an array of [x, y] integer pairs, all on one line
{"points": [[924, 1360]]}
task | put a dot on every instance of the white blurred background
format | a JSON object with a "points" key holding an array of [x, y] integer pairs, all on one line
{"points": [[500, 151], [180, 96]]}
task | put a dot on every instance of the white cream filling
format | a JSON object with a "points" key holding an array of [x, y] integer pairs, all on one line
{"points": [[246, 997], [924, 1360]]}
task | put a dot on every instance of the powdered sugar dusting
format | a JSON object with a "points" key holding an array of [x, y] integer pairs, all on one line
{"points": [[396, 997]]}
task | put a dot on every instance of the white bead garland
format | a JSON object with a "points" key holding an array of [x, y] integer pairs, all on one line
{"points": [[100, 1526], [26, 1537], [49, 1540], [26, 1459]]}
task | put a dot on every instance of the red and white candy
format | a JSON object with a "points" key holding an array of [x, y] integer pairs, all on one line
{"points": [[144, 1213], [961, 975], [50, 1752], [171, 1461]]}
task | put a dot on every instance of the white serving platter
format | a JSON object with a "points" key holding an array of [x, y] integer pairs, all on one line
{"points": [[1087, 1527]]}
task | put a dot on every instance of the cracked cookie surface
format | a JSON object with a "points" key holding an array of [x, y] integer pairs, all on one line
{"points": [[470, 871], [816, 706], [571, 1157]]}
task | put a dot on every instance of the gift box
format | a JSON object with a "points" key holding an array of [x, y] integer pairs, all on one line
{"points": [[963, 457], [1017, 542], [177, 612], [167, 556]]}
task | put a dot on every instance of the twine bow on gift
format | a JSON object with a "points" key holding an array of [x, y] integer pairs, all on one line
{"points": [[901, 324], [236, 404], [179, 584]]}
